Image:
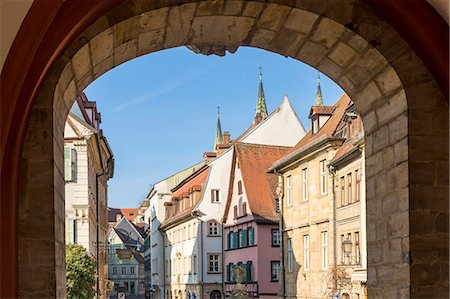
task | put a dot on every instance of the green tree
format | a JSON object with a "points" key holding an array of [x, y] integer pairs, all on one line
{"points": [[80, 272]]}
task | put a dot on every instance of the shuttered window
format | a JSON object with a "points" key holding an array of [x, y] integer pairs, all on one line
{"points": [[69, 164], [248, 272], [70, 231], [251, 236]]}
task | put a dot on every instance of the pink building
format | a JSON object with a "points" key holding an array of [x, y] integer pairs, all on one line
{"points": [[251, 233]]}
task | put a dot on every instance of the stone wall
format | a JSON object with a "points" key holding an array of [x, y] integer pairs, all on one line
{"points": [[404, 113]]}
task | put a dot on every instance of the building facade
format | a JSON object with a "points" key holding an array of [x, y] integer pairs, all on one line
{"points": [[126, 258], [88, 165], [323, 232], [251, 232]]}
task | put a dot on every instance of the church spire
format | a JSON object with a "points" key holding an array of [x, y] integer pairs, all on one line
{"points": [[261, 109], [319, 99], [219, 137]]}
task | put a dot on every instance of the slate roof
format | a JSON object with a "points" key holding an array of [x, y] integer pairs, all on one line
{"points": [[260, 187]]}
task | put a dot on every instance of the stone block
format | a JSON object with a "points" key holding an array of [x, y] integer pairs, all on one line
{"points": [[388, 157], [125, 52], [103, 67], [262, 38], [392, 251], [311, 53], [388, 81], [342, 54], [153, 20], [393, 107], [398, 225], [327, 33], [380, 138], [397, 177], [424, 274], [421, 123], [125, 32], [390, 274], [365, 99], [84, 82], [370, 122], [101, 46], [70, 95], [355, 41], [150, 41], [398, 129], [287, 42], [81, 62], [365, 67], [301, 21], [429, 197], [209, 8], [329, 68], [423, 173], [442, 171], [65, 77], [273, 16], [253, 9], [401, 151], [381, 184], [413, 73], [220, 30], [232, 8], [179, 24], [346, 85]]}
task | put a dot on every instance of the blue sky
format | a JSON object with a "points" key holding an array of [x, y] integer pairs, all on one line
{"points": [[159, 111]]}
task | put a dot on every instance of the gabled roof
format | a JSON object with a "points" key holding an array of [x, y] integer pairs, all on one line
{"points": [[129, 213], [132, 249], [260, 187]]}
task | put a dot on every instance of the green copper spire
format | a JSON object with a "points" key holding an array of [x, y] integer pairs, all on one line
{"points": [[319, 99], [261, 109], [219, 136]]}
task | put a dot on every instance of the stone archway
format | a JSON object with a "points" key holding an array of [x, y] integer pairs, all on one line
{"points": [[403, 110]]}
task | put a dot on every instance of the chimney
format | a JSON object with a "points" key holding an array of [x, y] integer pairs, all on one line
{"points": [[226, 137]]}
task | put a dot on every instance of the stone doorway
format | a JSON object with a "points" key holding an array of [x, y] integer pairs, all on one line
{"points": [[404, 111]]}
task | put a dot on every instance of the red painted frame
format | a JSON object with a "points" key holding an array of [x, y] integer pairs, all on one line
{"points": [[50, 27]]}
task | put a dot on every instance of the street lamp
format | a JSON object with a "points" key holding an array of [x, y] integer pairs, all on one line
{"points": [[347, 248]]}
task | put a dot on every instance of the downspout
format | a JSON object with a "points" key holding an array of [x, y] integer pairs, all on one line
{"points": [[333, 173], [281, 228], [223, 263], [98, 231], [201, 251]]}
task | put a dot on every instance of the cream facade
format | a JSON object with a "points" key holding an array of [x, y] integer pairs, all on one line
{"points": [[323, 229], [88, 167]]}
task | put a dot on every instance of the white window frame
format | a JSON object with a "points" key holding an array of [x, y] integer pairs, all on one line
{"points": [[275, 268], [214, 262], [289, 255], [276, 237], [305, 184], [323, 177], [289, 190], [215, 195], [324, 237], [213, 228], [306, 252]]}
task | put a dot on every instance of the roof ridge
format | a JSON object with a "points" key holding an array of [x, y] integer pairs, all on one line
{"points": [[262, 145]]}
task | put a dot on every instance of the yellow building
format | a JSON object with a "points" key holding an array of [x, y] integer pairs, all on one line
{"points": [[317, 262]]}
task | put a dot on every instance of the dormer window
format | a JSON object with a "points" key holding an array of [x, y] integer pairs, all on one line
{"points": [[315, 125]]}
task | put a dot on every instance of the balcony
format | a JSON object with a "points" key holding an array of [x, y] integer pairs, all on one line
{"points": [[246, 288]]}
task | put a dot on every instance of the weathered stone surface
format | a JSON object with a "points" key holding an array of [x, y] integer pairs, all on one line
{"points": [[253, 9], [327, 33], [125, 31], [178, 24], [367, 97], [311, 53], [232, 8], [342, 54], [273, 16], [388, 81], [125, 52], [81, 62], [101, 46], [150, 41], [369, 60], [153, 20], [222, 30], [301, 21]]}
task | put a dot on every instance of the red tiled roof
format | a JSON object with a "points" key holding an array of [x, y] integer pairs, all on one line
{"points": [[129, 213], [254, 160], [321, 110], [348, 145]]}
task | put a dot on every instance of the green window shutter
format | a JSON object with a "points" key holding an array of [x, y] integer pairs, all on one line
{"points": [[228, 271], [235, 240], [235, 268], [251, 236], [249, 271], [244, 238], [67, 164], [228, 240], [70, 231]]}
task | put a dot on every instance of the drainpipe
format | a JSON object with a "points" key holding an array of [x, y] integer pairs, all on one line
{"points": [[223, 262], [98, 230], [281, 228], [332, 171], [201, 250]]}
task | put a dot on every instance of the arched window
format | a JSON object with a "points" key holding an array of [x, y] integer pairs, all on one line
{"points": [[235, 212], [244, 208], [215, 295]]}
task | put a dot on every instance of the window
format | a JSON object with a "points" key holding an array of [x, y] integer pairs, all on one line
{"points": [[194, 264], [349, 186], [342, 191], [114, 270], [290, 264], [131, 270], [357, 186], [240, 187], [235, 209], [324, 250], [306, 252], [323, 177], [124, 270], [251, 236], [288, 191], [342, 249], [275, 237], [189, 232], [275, 270], [244, 208], [277, 205], [315, 126], [213, 263], [305, 184], [357, 249], [243, 236], [215, 195], [213, 228]]}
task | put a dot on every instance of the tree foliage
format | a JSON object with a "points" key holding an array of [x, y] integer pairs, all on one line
{"points": [[80, 272]]}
